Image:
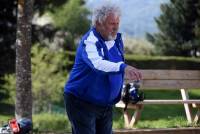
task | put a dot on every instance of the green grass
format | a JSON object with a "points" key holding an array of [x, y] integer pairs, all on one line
{"points": [[6, 113], [153, 116], [156, 117], [51, 122], [160, 116], [5, 118]]}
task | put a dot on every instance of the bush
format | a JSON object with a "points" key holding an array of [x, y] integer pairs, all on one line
{"points": [[138, 46], [154, 62], [51, 122], [163, 62], [72, 17], [9, 87], [49, 75]]}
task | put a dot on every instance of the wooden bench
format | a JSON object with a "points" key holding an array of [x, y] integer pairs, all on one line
{"points": [[182, 80]]}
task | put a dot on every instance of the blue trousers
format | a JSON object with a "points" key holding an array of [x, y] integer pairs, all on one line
{"points": [[87, 118]]}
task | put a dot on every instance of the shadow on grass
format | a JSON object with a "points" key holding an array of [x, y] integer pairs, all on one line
{"points": [[7, 109]]}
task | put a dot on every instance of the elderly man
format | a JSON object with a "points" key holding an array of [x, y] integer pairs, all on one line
{"points": [[96, 79]]}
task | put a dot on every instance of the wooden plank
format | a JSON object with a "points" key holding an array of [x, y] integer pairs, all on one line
{"points": [[171, 74], [188, 108], [169, 101], [122, 105], [133, 106], [130, 120], [191, 130], [127, 119], [195, 105], [167, 80], [136, 115], [170, 84], [197, 116]]}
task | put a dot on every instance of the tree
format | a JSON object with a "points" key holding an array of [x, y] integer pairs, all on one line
{"points": [[178, 25], [7, 36], [23, 104], [8, 21], [72, 17], [49, 76], [42, 6]]}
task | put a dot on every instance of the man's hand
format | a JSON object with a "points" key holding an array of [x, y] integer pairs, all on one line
{"points": [[132, 73]]}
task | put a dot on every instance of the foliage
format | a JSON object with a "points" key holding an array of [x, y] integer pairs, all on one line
{"points": [[60, 32], [179, 26], [47, 5], [8, 23], [50, 122], [67, 21], [48, 76], [154, 62], [7, 36], [42, 6], [138, 46], [10, 86], [4, 92], [72, 17]]}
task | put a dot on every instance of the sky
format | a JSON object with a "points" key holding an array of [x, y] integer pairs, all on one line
{"points": [[138, 16]]}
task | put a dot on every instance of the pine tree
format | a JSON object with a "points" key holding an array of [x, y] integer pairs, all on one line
{"points": [[72, 17], [179, 28]]}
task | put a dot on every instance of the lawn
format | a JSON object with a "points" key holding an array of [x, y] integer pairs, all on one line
{"points": [[160, 116], [153, 116], [6, 113]]}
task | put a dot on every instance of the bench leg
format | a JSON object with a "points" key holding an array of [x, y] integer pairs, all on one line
{"points": [[188, 108], [130, 121], [197, 116], [127, 119]]}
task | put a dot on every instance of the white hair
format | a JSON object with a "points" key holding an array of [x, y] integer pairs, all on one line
{"points": [[101, 12]]}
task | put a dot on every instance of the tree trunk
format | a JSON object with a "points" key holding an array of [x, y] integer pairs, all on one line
{"points": [[23, 104]]}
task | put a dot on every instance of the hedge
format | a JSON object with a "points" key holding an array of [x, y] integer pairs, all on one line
{"points": [[156, 62]]}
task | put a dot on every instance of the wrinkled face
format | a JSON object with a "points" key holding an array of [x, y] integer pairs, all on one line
{"points": [[109, 27]]}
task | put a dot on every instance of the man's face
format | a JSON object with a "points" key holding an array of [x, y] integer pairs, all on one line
{"points": [[109, 27]]}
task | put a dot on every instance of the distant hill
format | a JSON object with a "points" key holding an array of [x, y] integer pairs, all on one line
{"points": [[137, 15]]}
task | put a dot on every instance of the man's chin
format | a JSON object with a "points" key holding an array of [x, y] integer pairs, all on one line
{"points": [[111, 37]]}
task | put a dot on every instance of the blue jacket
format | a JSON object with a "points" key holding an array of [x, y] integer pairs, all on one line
{"points": [[98, 71]]}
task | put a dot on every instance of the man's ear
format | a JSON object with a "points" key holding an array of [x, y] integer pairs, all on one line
{"points": [[98, 26]]}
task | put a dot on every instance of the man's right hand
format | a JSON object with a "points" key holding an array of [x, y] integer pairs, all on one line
{"points": [[132, 73]]}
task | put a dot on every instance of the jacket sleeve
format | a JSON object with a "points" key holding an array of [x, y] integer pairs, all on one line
{"points": [[92, 58]]}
